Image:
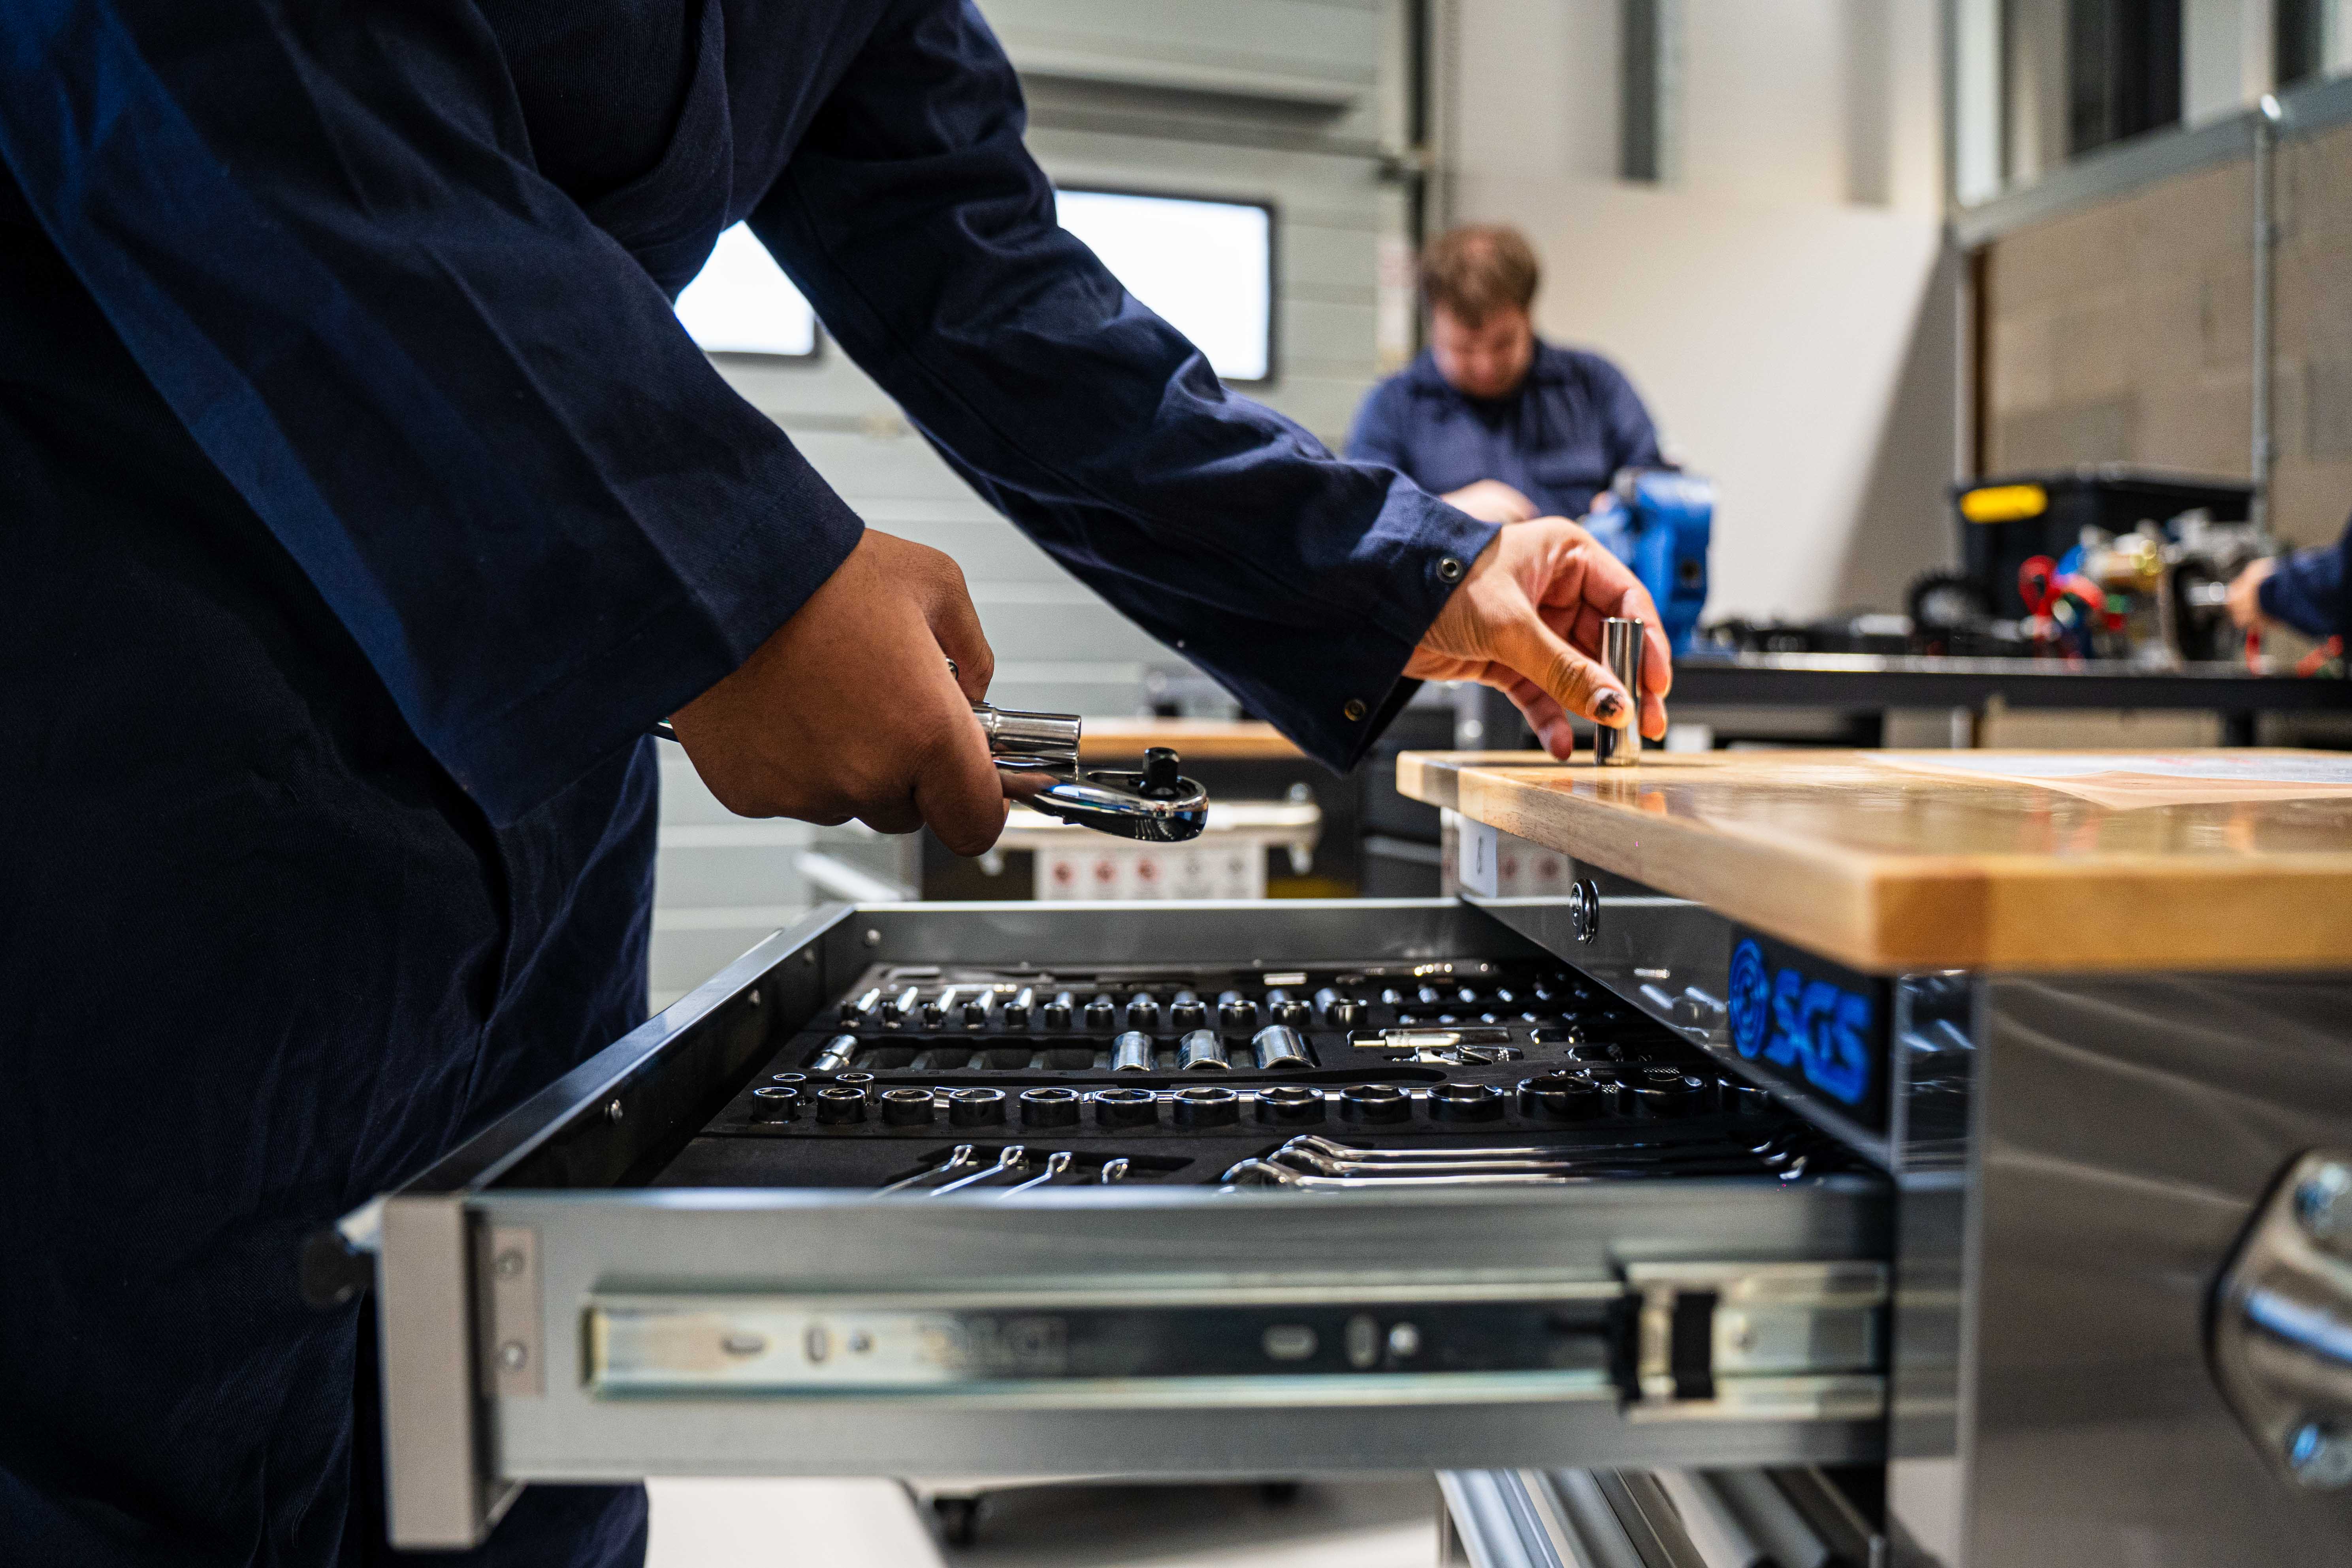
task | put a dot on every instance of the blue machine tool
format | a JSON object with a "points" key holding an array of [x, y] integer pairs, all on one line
{"points": [[1657, 521]]}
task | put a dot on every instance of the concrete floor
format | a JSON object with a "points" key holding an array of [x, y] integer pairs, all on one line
{"points": [[1368, 1523]]}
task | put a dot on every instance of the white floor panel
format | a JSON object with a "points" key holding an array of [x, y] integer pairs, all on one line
{"points": [[1375, 1522]]}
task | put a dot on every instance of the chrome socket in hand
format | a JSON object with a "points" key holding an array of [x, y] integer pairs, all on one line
{"points": [[1621, 650], [1037, 764]]}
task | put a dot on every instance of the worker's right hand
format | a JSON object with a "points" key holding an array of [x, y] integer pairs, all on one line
{"points": [[1491, 500], [849, 708], [1527, 621], [2245, 597]]}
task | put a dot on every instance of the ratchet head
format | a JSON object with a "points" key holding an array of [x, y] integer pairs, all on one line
{"points": [[1037, 760]]}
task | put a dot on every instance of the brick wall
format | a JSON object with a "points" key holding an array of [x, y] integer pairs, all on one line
{"points": [[2124, 332]]}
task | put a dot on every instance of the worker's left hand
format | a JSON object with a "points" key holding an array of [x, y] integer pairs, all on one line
{"points": [[1527, 621], [2245, 597]]}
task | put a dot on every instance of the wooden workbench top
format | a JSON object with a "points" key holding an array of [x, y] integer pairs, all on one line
{"points": [[1881, 861], [1228, 740]]}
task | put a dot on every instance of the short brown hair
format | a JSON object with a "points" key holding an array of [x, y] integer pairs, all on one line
{"points": [[1478, 269]]}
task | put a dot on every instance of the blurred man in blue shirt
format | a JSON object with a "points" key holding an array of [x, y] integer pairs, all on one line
{"points": [[1500, 423]]}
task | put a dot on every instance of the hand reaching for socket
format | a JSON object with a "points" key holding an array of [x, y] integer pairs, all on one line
{"points": [[1527, 621]]}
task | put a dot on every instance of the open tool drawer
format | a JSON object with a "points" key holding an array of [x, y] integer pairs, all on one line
{"points": [[655, 1267]]}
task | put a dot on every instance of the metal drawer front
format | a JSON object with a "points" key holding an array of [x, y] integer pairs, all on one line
{"points": [[620, 1330]]}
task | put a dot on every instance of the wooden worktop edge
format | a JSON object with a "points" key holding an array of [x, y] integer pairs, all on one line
{"points": [[2007, 914]]}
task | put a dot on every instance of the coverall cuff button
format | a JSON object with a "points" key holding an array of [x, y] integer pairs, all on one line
{"points": [[1449, 570], [1355, 709]]}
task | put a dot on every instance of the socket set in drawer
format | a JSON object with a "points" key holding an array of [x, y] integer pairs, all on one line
{"points": [[1217, 1072]]}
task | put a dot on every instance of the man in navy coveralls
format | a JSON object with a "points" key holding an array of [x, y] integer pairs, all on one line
{"points": [[1491, 418], [362, 503]]}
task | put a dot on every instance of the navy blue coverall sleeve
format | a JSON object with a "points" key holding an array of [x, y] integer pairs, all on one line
{"points": [[923, 233], [470, 415], [2306, 590], [474, 421]]}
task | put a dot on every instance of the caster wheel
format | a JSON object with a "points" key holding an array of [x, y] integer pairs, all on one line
{"points": [[959, 1519], [1277, 1494]]}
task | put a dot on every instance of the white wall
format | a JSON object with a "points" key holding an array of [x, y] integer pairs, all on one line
{"points": [[2225, 57], [1795, 345]]}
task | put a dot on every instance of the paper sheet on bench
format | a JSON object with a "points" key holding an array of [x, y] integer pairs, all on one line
{"points": [[2124, 781]]}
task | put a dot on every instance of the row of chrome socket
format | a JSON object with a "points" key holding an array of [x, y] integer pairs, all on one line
{"points": [[1638, 1092], [1277, 1048], [973, 1006]]}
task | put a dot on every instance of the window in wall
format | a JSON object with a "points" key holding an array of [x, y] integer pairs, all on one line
{"points": [[2313, 38], [2122, 69], [1205, 267], [741, 304]]}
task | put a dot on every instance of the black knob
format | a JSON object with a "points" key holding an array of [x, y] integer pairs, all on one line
{"points": [[1163, 772], [1375, 1102], [1565, 1097], [975, 1013], [907, 1107], [1125, 1108], [1016, 1012], [976, 1107], [779, 1104], [1206, 1106], [1290, 1105], [1049, 1108], [838, 1104], [1058, 1011], [1465, 1102], [933, 1015]]}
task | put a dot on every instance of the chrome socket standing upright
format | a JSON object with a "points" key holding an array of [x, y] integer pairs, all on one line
{"points": [[1621, 650]]}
